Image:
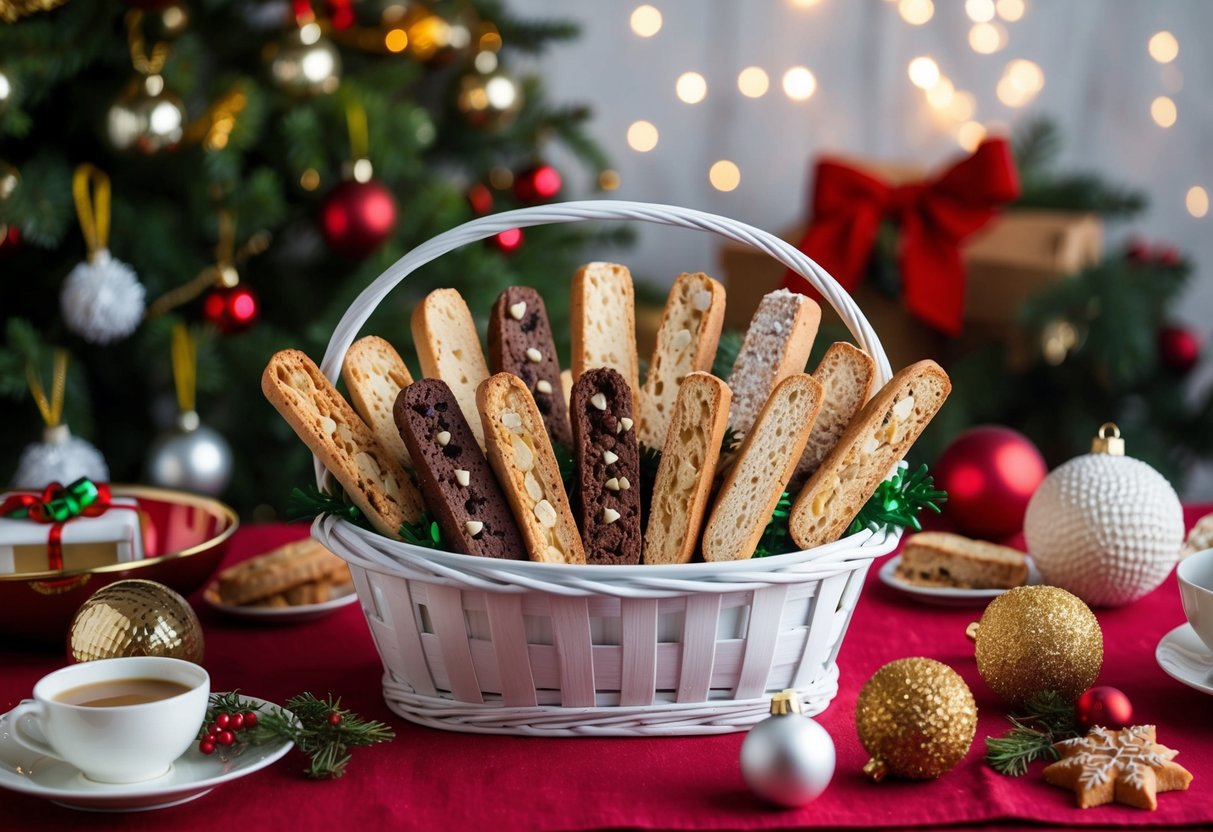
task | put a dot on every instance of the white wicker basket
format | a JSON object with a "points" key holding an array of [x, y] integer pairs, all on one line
{"points": [[484, 645]]}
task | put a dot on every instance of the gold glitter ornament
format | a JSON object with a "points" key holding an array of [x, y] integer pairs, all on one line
{"points": [[916, 717], [135, 618], [1038, 638]]}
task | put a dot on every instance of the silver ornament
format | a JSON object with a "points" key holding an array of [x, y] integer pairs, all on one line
{"points": [[102, 300], [59, 457], [191, 457], [304, 62], [787, 758], [146, 117]]}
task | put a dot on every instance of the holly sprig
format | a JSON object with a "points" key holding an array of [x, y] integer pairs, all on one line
{"points": [[1045, 720], [310, 502], [320, 728], [897, 502]]}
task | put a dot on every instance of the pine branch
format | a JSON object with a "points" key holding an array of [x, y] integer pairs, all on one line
{"points": [[310, 502], [776, 537], [898, 501], [1046, 720], [726, 352], [424, 532], [1036, 145]]}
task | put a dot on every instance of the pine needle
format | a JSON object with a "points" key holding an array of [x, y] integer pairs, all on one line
{"points": [[898, 501]]}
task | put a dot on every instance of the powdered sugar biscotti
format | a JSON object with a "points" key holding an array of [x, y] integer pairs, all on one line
{"points": [[326, 423], [846, 374], [448, 348], [603, 321], [521, 455], [876, 440], [687, 469], [686, 343], [374, 375], [764, 464]]}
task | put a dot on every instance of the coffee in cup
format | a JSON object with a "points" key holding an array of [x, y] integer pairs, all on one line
{"points": [[1195, 575]]}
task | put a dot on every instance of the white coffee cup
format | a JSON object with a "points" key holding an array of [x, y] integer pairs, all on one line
{"points": [[124, 743], [1195, 574]]}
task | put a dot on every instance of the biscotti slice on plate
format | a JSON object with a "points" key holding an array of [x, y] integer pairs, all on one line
{"points": [[521, 455], [687, 468], [374, 375], [846, 374], [608, 467], [686, 343], [603, 321], [876, 440], [943, 559], [776, 345], [765, 462], [326, 423], [279, 571], [520, 342], [461, 491], [448, 348]]}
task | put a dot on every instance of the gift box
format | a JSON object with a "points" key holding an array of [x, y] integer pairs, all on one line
{"points": [[84, 542]]}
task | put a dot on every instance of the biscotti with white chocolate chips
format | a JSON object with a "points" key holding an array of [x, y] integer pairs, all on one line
{"points": [[846, 373], [448, 347], [877, 440], [520, 452], [374, 374], [326, 423], [603, 321]]}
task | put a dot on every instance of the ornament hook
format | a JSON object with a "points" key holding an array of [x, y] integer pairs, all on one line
{"points": [[1108, 440]]}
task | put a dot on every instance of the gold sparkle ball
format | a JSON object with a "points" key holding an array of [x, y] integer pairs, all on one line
{"points": [[1037, 638], [135, 618], [916, 717]]}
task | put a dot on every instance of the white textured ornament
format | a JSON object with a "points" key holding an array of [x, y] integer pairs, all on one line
{"points": [[1105, 527], [59, 457], [787, 758], [102, 300]]}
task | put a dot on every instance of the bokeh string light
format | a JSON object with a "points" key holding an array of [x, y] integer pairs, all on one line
{"points": [[1197, 201], [753, 82], [799, 83], [691, 88], [724, 176], [642, 136], [1163, 111], [1163, 47], [646, 21]]}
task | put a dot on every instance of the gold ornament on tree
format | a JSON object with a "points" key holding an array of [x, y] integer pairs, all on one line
{"points": [[303, 61], [917, 718], [1037, 638], [147, 117], [135, 618], [488, 100]]}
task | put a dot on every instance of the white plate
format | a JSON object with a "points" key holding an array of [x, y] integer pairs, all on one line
{"points": [[342, 597], [193, 774], [947, 595], [1184, 657]]}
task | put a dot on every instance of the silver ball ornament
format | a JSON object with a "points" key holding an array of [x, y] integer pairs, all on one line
{"points": [[304, 62], [787, 758], [59, 457], [146, 118], [190, 457], [102, 300]]}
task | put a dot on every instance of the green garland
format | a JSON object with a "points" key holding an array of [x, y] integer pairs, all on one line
{"points": [[898, 501]]}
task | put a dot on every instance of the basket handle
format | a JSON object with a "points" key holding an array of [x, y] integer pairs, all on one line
{"points": [[478, 229]]}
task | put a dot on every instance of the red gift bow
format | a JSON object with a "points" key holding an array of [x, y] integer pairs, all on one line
{"points": [[934, 216], [37, 507]]}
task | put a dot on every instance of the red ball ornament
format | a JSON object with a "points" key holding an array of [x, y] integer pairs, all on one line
{"points": [[1178, 348], [231, 309], [1137, 251], [480, 198], [507, 241], [990, 474], [10, 239], [1104, 706], [537, 184], [357, 217]]}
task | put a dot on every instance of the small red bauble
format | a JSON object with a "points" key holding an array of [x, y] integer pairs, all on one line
{"points": [[1137, 251], [10, 239], [1166, 256], [250, 719], [507, 241], [334, 718], [537, 184], [1104, 706], [231, 309], [207, 746], [221, 722], [480, 198], [990, 474], [225, 738], [357, 218], [1178, 348], [237, 722]]}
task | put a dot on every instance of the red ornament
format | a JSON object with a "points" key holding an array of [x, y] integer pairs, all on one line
{"points": [[990, 474], [357, 217], [334, 718], [10, 239], [480, 198], [1104, 706], [537, 184], [1137, 251], [1167, 256], [1178, 348], [231, 309], [507, 241]]}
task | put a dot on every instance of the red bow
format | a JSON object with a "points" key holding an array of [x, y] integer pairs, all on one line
{"points": [[934, 216], [57, 506]]}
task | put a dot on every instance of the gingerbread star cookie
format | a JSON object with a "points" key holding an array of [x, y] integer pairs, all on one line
{"points": [[1126, 766]]}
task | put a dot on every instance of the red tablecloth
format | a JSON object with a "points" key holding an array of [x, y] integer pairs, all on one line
{"points": [[428, 779]]}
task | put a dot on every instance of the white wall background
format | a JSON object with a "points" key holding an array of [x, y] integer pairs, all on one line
{"points": [[1099, 82]]}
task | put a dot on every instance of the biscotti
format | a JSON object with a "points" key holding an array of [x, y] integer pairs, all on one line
{"points": [[776, 345], [608, 467], [876, 440], [448, 348], [846, 374], [764, 464], [303, 572], [687, 468], [372, 477], [943, 559], [603, 321], [462, 494], [374, 375], [520, 342], [521, 455], [686, 343]]}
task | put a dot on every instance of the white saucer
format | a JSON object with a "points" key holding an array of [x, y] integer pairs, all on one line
{"points": [[945, 595], [342, 597], [1184, 657], [193, 774]]}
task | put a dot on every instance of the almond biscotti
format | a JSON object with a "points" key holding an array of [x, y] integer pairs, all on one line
{"points": [[846, 374], [292, 574], [342, 442], [374, 375], [448, 347], [943, 559], [876, 440], [603, 321]]}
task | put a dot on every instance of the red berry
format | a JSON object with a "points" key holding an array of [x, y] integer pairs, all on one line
{"points": [[215, 728], [334, 718], [222, 720], [225, 738], [250, 719], [237, 722], [207, 746]]}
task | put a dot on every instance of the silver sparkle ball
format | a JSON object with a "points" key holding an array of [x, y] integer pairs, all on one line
{"points": [[787, 758], [190, 457]]}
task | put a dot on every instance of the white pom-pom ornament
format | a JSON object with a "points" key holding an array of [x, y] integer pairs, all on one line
{"points": [[59, 457], [102, 300], [1104, 526]]}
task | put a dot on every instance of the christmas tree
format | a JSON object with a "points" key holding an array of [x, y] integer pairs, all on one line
{"points": [[264, 163]]}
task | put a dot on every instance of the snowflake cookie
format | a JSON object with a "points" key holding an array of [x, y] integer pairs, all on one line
{"points": [[1127, 766]]}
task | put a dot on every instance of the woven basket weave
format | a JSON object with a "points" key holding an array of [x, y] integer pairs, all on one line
{"points": [[485, 645]]}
